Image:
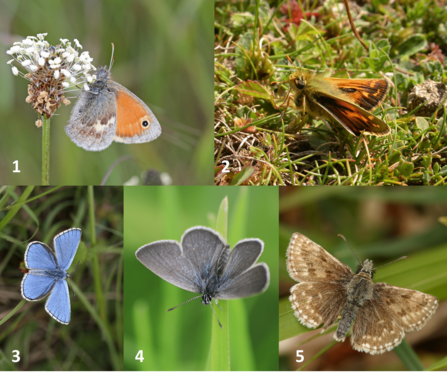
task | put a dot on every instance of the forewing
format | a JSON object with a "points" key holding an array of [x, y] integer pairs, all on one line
{"points": [[243, 255], [135, 121], [411, 309], [366, 93], [165, 259], [39, 256], [36, 287], [352, 117], [308, 262], [315, 303], [58, 304], [251, 282], [375, 331], [66, 244], [202, 246], [92, 124]]}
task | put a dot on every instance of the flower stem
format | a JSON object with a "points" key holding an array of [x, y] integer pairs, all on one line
{"points": [[46, 151]]}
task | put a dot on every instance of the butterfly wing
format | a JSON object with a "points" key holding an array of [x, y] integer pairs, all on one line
{"points": [[92, 124], [240, 278], [381, 322], [39, 256], [58, 304], [411, 309], [135, 121], [251, 282], [166, 259], [374, 330], [203, 247], [321, 293], [243, 255], [35, 287], [351, 116], [66, 243], [366, 93]]}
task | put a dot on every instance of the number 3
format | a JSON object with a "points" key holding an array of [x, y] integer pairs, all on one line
{"points": [[16, 356]]}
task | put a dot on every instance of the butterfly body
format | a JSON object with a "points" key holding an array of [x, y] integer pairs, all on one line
{"points": [[379, 313], [359, 290], [109, 112], [348, 101], [47, 273]]}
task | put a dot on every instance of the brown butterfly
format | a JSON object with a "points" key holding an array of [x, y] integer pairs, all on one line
{"points": [[348, 101], [379, 313]]}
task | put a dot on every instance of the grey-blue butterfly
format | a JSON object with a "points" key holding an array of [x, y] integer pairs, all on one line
{"points": [[202, 263]]}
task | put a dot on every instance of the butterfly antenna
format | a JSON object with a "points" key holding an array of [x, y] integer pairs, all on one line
{"points": [[291, 61], [220, 325], [217, 304], [350, 248], [189, 300], [400, 258], [111, 59], [72, 271]]}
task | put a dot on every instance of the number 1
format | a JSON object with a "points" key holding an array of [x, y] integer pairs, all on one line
{"points": [[16, 163]]}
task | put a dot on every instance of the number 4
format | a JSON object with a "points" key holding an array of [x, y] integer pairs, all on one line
{"points": [[139, 356], [300, 357]]}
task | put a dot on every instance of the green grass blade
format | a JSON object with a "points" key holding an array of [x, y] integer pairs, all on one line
{"points": [[408, 357]]}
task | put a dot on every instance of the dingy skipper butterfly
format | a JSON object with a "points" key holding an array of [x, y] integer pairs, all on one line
{"points": [[348, 101]]}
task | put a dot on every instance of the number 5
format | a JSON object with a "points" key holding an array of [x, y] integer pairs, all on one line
{"points": [[300, 357]]}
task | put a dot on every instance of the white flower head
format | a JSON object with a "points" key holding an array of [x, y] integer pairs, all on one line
{"points": [[51, 69]]}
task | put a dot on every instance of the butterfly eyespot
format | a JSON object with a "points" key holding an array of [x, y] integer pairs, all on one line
{"points": [[145, 122]]}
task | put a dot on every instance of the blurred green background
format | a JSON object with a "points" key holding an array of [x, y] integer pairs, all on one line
{"points": [[93, 338], [381, 224], [181, 339], [163, 54]]}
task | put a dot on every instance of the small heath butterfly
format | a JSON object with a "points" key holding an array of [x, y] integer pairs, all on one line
{"points": [[109, 112]]}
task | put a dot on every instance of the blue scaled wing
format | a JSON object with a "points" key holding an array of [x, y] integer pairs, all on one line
{"points": [[36, 287], [58, 304], [39, 256], [66, 243]]}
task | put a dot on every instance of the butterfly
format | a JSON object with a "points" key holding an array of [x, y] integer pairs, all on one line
{"points": [[202, 263], [109, 112], [48, 273], [380, 313], [348, 101]]}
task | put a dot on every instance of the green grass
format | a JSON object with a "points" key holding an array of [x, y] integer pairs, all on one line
{"points": [[189, 337], [252, 42], [321, 214], [93, 339]]}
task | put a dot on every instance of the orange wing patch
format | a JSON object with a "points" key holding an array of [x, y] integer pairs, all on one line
{"points": [[353, 119], [366, 93], [132, 117]]}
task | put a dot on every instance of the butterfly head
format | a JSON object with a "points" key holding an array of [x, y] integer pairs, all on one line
{"points": [[366, 268], [206, 298], [101, 81]]}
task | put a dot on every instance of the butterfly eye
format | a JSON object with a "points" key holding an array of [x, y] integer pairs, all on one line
{"points": [[300, 84]]}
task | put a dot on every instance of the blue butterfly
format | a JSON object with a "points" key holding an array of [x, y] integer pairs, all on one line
{"points": [[48, 271]]}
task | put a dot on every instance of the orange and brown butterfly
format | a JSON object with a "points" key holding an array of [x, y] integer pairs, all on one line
{"points": [[348, 101]]}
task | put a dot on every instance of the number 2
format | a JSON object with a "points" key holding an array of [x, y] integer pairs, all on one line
{"points": [[227, 164]]}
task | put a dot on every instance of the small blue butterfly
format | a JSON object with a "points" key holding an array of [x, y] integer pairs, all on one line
{"points": [[48, 271]]}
